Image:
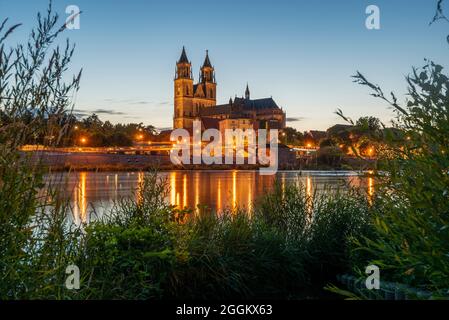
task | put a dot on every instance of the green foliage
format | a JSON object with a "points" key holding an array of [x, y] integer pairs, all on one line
{"points": [[237, 256], [36, 240], [411, 242], [106, 134], [130, 253], [290, 135], [34, 98], [125, 262], [288, 247], [338, 221], [330, 155], [439, 15]]}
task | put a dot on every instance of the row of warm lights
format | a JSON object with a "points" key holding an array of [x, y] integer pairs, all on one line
{"points": [[83, 140]]}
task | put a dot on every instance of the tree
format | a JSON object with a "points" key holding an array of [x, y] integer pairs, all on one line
{"points": [[119, 139], [330, 155], [368, 124], [439, 15], [290, 135], [93, 123]]}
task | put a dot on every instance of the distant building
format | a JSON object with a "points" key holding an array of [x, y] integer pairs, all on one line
{"points": [[198, 102]]}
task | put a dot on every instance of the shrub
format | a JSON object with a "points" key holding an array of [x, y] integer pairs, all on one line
{"points": [[411, 242], [36, 242], [235, 256]]}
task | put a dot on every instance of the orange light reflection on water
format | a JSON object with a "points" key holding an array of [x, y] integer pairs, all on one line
{"points": [[234, 189], [217, 190]]}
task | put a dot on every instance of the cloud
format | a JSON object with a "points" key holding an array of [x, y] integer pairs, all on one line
{"points": [[108, 111], [117, 100], [83, 113], [127, 101], [136, 102], [80, 114], [140, 102], [294, 119], [164, 129]]}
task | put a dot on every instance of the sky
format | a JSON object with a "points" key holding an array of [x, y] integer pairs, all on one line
{"points": [[301, 53]]}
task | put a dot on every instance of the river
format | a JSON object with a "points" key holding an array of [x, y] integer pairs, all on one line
{"points": [[94, 193]]}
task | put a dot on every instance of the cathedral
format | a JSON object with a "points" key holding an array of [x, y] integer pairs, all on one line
{"points": [[199, 102]]}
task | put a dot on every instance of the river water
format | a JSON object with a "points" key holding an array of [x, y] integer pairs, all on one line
{"points": [[93, 193]]}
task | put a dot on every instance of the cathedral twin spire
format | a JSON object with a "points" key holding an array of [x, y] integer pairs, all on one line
{"points": [[183, 67], [207, 61], [206, 71], [207, 74], [183, 58]]}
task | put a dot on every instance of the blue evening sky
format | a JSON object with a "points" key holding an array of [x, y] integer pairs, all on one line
{"points": [[302, 53]]}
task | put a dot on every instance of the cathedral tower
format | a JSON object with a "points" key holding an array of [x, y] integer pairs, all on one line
{"points": [[183, 117], [205, 91], [207, 78], [191, 99]]}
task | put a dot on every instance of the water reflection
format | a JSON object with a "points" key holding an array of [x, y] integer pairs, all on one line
{"points": [[219, 208], [79, 199], [370, 190], [218, 190], [234, 189], [309, 200]]}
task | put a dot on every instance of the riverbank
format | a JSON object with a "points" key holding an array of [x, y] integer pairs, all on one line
{"points": [[81, 161]]}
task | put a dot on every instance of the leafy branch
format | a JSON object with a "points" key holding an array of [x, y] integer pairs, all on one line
{"points": [[439, 15]]}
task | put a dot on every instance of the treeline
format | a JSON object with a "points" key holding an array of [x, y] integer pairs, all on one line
{"points": [[361, 134], [93, 132], [68, 131], [365, 138]]}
